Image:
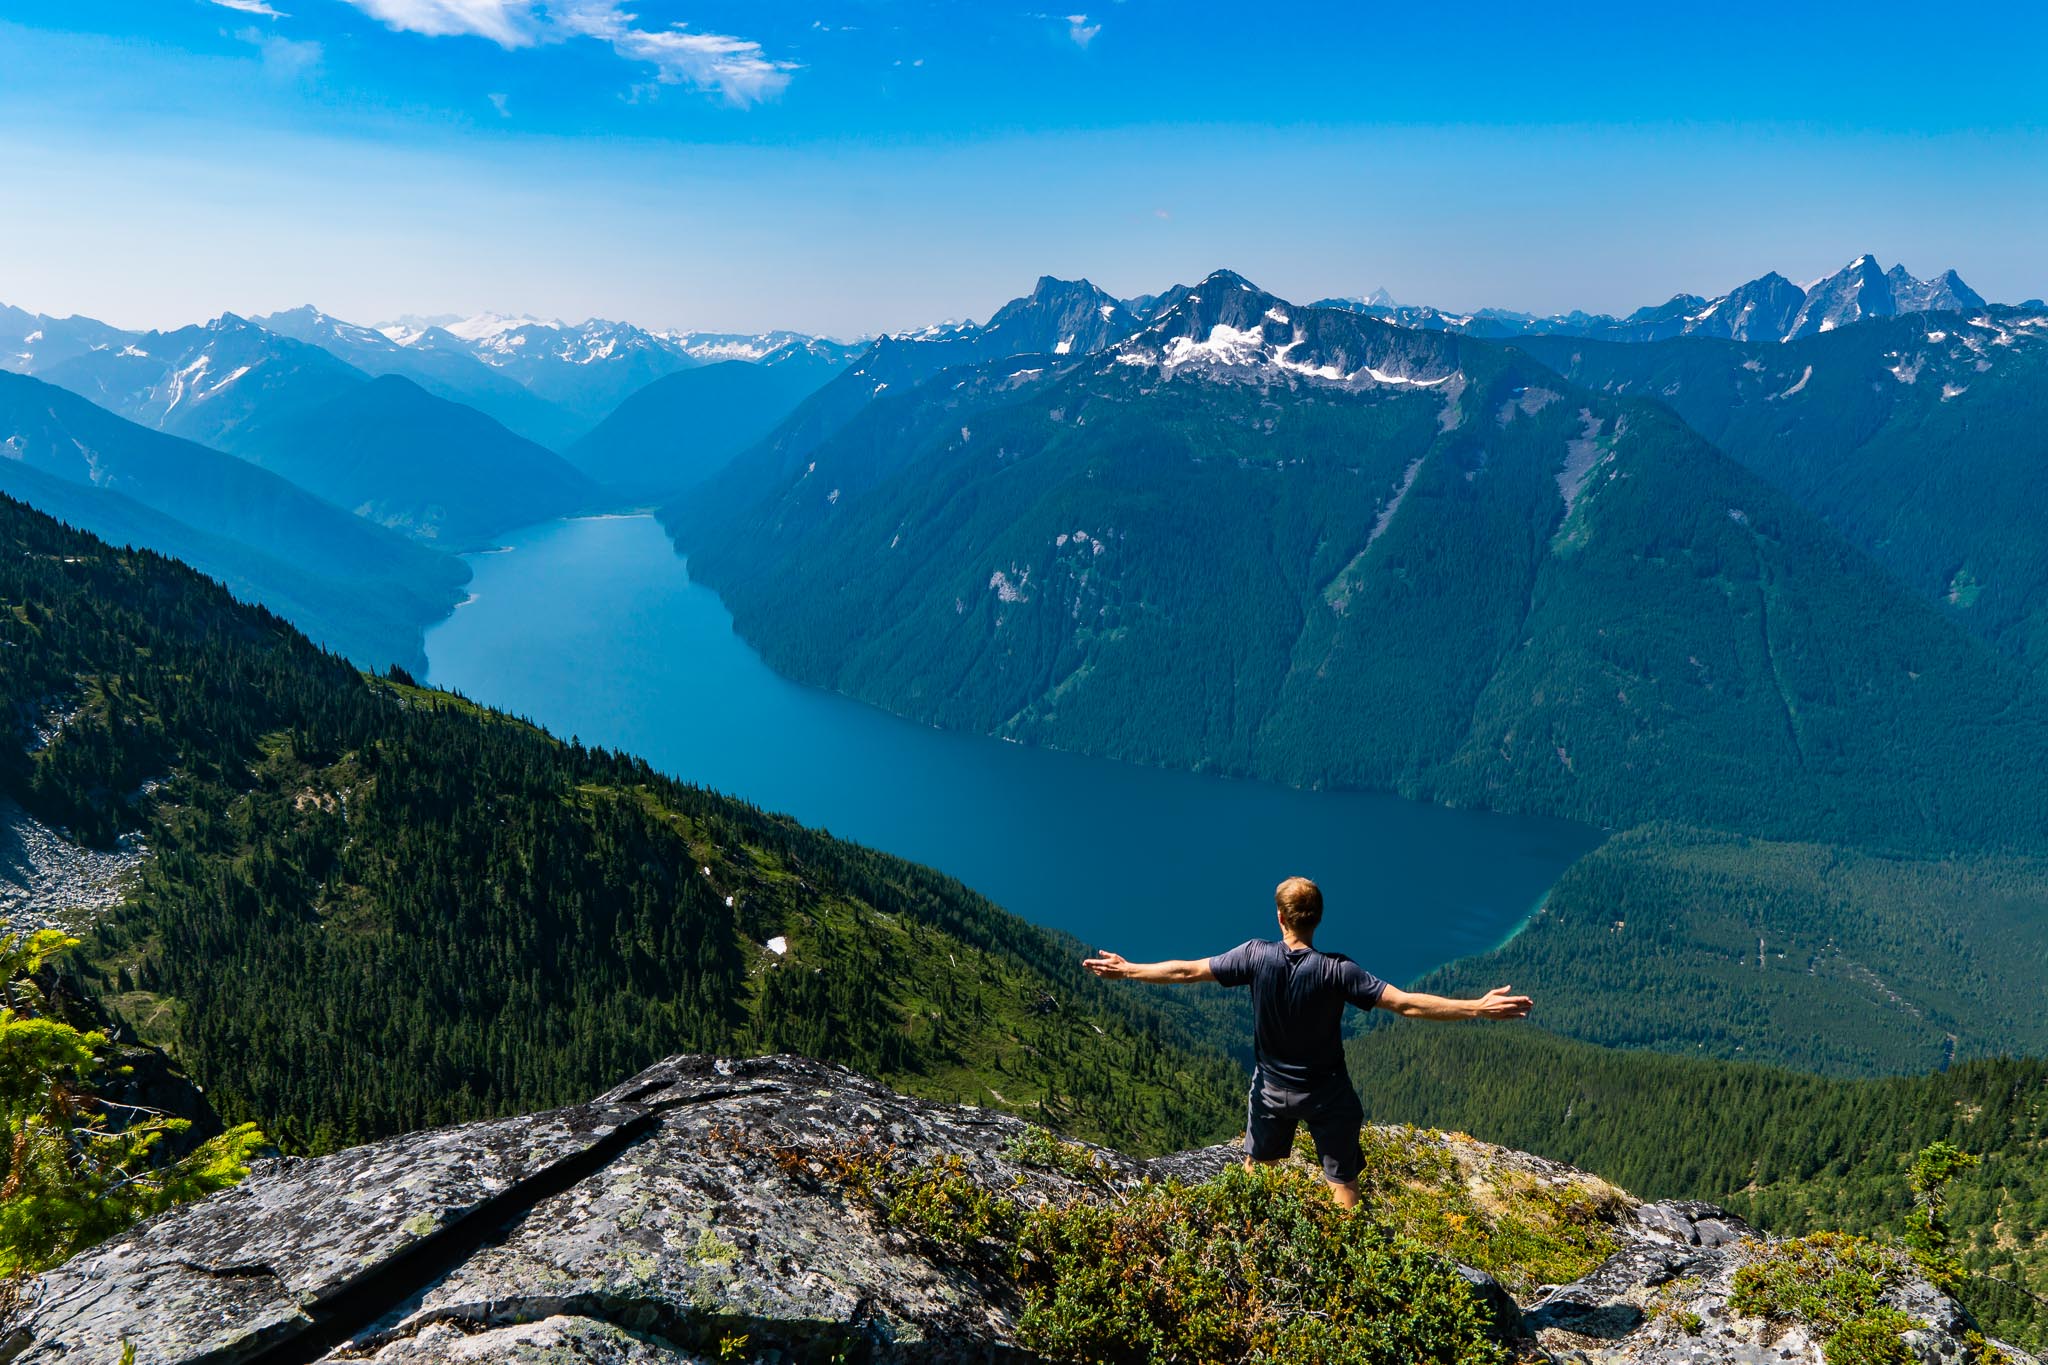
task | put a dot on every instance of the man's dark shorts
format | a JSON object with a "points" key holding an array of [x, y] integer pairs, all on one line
{"points": [[1332, 1113]]}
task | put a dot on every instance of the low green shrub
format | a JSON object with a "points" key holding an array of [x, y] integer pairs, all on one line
{"points": [[1832, 1283], [1258, 1266], [1040, 1147]]}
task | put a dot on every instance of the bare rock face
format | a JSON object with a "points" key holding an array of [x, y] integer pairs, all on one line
{"points": [[685, 1216]]}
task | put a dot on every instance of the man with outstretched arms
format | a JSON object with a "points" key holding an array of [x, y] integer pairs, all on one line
{"points": [[1298, 999]]}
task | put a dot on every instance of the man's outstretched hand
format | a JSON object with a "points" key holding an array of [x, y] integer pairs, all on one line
{"points": [[1498, 1004], [1107, 964]]}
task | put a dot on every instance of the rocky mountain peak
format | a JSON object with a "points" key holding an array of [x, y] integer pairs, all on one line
{"points": [[1946, 292], [1058, 317], [696, 1205], [1228, 329], [1857, 291]]}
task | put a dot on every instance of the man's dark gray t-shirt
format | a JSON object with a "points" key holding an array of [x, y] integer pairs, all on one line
{"points": [[1298, 1000]]}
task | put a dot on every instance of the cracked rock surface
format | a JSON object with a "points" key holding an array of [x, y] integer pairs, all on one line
{"points": [[680, 1218]]}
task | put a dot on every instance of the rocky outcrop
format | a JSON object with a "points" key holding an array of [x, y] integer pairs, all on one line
{"points": [[686, 1216]]}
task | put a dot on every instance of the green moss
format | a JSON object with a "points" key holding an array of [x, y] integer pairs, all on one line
{"points": [[712, 1247], [1978, 1350], [1249, 1266], [942, 1203]]}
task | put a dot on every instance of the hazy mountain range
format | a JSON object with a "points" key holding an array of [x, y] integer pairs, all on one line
{"points": [[445, 429]]}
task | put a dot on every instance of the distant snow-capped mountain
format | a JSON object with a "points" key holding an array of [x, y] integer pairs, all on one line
{"points": [[33, 342], [710, 347], [1227, 328], [584, 369], [438, 361], [1859, 290], [204, 382], [1768, 308]]}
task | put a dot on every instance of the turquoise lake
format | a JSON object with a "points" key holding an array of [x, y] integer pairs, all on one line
{"points": [[592, 628]]}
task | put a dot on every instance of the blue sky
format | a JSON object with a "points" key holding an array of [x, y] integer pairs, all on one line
{"points": [[869, 164]]}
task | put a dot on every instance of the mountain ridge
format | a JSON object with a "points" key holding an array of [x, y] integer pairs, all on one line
{"points": [[356, 587], [1768, 308], [406, 459]]}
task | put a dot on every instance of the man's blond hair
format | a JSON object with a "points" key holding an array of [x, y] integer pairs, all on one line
{"points": [[1301, 905]]}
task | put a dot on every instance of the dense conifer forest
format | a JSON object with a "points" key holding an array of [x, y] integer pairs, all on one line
{"points": [[1826, 958]]}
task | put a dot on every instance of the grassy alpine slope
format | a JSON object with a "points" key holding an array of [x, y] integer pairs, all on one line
{"points": [[373, 907]]}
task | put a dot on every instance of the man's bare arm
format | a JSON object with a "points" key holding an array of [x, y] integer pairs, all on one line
{"points": [[1175, 972], [1495, 1004]]}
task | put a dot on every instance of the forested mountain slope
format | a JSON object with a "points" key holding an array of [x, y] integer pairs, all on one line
{"points": [[1816, 955], [372, 907], [397, 455], [1304, 545], [681, 429], [1923, 439], [354, 587]]}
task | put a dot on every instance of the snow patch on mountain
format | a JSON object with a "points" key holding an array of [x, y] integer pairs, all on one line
{"points": [[488, 326]]}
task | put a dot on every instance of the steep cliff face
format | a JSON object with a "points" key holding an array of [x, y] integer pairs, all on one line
{"points": [[704, 1210]]}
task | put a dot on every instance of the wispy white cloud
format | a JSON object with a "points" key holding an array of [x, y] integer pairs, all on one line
{"points": [[284, 58], [508, 23], [1081, 31], [501, 102], [735, 67], [251, 7]]}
